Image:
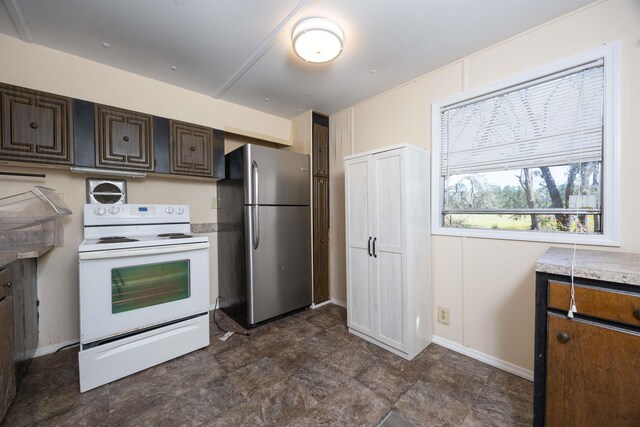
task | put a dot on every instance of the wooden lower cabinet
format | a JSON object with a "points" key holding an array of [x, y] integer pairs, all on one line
{"points": [[7, 365], [594, 374], [587, 370]]}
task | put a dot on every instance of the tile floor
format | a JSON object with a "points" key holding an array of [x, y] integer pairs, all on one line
{"points": [[303, 370]]}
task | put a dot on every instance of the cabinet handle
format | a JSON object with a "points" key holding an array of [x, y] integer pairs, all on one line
{"points": [[636, 313], [564, 337], [33, 125], [193, 148], [375, 255], [7, 285], [126, 138], [369, 246]]}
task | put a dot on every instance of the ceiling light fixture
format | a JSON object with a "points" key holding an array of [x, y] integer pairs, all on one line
{"points": [[317, 40]]}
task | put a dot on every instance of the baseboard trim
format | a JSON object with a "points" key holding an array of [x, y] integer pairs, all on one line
{"points": [[485, 358], [314, 306], [338, 302], [43, 351]]}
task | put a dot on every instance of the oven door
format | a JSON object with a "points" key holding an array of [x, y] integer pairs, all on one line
{"points": [[125, 290]]}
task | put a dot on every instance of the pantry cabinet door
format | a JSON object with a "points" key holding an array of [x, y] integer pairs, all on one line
{"points": [[359, 266], [388, 286]]}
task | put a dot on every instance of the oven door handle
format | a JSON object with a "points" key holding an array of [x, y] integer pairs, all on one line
{"points": [[120, 253]]}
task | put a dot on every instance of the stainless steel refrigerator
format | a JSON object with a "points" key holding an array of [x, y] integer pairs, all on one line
{"points": [[264, 236]]}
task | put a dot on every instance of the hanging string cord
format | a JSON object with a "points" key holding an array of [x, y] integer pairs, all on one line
{"points": [[578, 228]]}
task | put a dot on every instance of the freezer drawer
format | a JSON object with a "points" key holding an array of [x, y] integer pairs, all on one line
{"points": [[278, 256]]}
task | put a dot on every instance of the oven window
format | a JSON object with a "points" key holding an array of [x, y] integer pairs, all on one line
{"points": [[150, 284]]}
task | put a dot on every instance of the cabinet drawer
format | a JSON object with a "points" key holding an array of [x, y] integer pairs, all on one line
{"points": [[599, 303]]}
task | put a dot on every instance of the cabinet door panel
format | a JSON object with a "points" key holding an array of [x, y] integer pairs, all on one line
{"points": [[593, 377], [36, 126], [359, 297], [389, 287], [320, 240], [7, 365], [357, 209], [320, 150], [388, 201], [388, 300], [191, 149], [123, 138], [359, 301]]}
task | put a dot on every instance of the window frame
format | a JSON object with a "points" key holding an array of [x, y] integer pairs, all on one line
{"points": [[610, 197]]}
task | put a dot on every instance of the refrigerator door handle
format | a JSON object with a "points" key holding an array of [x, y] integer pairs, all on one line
{"points": [[255, 210], [254, 173], [256, 226]]}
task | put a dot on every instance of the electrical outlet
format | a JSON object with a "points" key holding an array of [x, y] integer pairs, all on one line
{"points": [[443, 315]]}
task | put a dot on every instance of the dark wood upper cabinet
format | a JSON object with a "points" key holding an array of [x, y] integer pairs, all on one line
{"points": [[191, 149], [39, 127], [35, 126], [124, 139]]}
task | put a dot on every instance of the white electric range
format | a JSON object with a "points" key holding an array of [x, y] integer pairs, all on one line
{"points": [[144, 289]]}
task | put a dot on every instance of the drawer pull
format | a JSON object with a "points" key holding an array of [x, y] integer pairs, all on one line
{"points": [[636, 313], [564, 337], [126, 138], [193, 148], [33, 125]]}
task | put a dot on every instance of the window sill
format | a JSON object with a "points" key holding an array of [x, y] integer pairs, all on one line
{"points": [[528, 236]]}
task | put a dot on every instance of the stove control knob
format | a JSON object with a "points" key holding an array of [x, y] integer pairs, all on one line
{"points": [[169, 210], [100, 211], [114, 210], [179, 211]]}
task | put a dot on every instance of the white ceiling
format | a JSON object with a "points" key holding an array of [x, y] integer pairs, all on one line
{"points": [[240, 50]]}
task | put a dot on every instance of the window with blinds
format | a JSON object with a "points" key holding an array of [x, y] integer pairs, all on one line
{"points": [[528, 156]]}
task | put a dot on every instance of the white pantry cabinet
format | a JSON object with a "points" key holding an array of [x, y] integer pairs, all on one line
{"points": [[388, 258]]}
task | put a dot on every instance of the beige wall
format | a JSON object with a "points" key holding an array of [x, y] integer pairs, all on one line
{"points": [[489, 284], [45, 69], [41, 68]]}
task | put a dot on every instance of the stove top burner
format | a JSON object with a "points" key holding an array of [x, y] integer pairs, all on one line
{"points": [[116, 239], [175, 235]]}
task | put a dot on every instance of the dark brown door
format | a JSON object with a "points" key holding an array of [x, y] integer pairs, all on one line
{"points": [[320, 158], [35, 126], [191, 149], [593, 374], [320, 239], [123, 139]]}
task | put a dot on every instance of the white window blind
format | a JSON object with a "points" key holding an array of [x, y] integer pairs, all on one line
{"points": [[555, 120]]}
